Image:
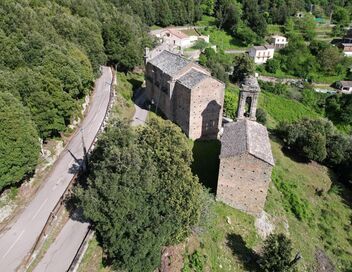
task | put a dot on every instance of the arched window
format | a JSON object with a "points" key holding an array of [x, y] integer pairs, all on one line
{"points": [[248, 106]]}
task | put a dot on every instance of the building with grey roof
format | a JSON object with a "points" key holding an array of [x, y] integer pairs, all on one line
{"points": [[246, 136], [169, 63], [261, 54], [186, 94], [246, 158]]}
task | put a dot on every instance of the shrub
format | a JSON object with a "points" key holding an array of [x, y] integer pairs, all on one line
{"points": [[273, 65], [308, 137], [277, 254], [194, 263], [200, 44]]}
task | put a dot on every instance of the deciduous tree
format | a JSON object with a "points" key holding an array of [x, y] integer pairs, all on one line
{"points": [[19, 141]]}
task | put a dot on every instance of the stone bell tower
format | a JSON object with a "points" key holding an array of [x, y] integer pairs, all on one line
{"points": [[248, 100]]}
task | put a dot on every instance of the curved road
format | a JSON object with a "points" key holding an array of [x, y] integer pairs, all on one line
{"points": [[19, 237]]}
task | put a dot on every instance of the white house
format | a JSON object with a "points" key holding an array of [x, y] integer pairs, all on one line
{"points": [[345, 87], [174, 36], [279, 41], [347, 49], [261, 54]]}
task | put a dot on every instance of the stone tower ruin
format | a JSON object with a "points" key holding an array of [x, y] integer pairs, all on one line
{"points": [[248, 100]]}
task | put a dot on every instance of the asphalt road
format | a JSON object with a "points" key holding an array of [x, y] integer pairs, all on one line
{"points": [[18, 238], [140, 115], [62, 252]]}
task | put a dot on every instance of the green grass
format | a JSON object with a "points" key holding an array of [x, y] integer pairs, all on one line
{"points": [[278, 74], [218, 37], [228, 238], [207, 21], [278, 108], [318, 78], [126, 85], [155, 27], [222, 39], [275, 29], [327, 217], [283, 109]]}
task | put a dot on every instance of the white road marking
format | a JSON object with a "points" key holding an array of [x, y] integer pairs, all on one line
{"points": [[41, 206], [11, 247]]}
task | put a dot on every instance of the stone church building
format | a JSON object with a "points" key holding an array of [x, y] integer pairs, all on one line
{"points": [[246, 159], [186, 94]]}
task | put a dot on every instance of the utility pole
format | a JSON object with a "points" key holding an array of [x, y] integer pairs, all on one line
{"points": [[85, 154]]}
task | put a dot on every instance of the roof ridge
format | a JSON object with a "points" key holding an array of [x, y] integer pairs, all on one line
{"points": [[247, 136]]}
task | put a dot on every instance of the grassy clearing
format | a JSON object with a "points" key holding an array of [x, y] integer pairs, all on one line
{"points": [[326, 223], [155, 27], [207, 21], [126, 85], [218, 37], [275, 29], [277, 107], [278, 74], [328, 79], [228, 238], [283, 109], [222, 39], [92, 260]]}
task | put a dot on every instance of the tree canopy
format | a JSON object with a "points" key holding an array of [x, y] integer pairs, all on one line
{"points": [[19, 141], [277, 253], [141, 194]]}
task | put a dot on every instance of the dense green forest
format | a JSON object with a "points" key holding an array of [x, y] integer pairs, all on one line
{"points": [[50, 55], [51, 50]]}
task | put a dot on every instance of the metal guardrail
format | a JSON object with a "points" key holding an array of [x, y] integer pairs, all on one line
{"points": [[28, 260]]}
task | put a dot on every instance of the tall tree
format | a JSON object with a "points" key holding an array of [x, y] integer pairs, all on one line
{"points": [[243, 66], [141, 194], [123, 39], [19, 141]]}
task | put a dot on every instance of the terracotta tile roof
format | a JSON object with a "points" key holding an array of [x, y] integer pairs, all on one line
{"points": [[177, 33], [246, 136]]}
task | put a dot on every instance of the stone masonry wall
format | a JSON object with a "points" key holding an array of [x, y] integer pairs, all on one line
{"points": [[181, 101], [207, 100], [243, 183], [158, 89]]}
